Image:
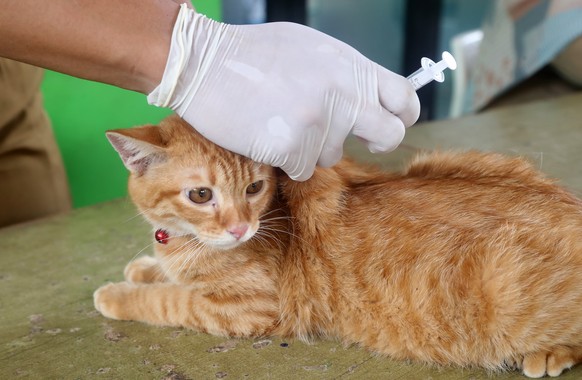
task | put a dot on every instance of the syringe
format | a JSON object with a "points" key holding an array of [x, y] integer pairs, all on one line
{"points": [[430, 70]]}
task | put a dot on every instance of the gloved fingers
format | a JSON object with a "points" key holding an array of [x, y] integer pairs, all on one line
{"points": [[330, 156], [297, 160], [382, 130], [333, 146], [301, 172], [398, 96]]}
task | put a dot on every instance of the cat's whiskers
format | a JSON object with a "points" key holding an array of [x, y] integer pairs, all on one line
{"points": [[263, 218], [285, 217], [270, 212], [268, 228], [259, 238], [147, 246], [190, 255], [175, 260], [173, 257], [272, 233], [277, 218], [140, 252], [186, 253], [266, 234], [193, 256], [290, 233], [141, 213]]}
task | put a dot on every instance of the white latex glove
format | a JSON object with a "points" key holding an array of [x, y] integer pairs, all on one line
{"points": [[281, 93]]}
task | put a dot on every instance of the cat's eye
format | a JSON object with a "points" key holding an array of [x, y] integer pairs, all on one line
{"points": [[255, 187], [200, 195]]}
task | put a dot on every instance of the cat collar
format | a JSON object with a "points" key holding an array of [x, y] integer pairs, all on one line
{"points": [[162, 236]]}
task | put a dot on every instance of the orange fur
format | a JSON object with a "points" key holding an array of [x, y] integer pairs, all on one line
{"points": [[471, 259]]}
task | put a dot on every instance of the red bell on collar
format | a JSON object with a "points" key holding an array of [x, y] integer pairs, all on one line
{"points": [[162, 236]]}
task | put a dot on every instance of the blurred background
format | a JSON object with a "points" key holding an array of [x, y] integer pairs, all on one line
{"points": [[394, 33]]}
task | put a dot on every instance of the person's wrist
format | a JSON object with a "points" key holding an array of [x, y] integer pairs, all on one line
{"points": [[147, 67]]}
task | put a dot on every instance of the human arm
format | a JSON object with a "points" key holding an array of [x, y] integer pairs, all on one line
{"points": [[123, 43], [282, 94]]}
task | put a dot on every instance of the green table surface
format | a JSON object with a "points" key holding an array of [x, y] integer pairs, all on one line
{"points": [[49, 269]]}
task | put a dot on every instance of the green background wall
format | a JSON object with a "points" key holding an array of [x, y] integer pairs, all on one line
{"points": [[81, 111]]}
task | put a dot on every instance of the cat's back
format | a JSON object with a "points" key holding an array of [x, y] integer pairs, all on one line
{"points": [[477, 166], [458, 183], [447, 200], [459, 245]]}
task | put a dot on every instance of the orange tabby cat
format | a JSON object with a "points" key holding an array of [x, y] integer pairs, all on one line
{"points": [[464, 258]]}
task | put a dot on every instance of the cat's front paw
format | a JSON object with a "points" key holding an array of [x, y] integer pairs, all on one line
{"points": [[551, 363], [144, 270], [111, 300]]}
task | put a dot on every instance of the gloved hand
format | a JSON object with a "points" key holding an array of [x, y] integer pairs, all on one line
{"points": [[281, 93]]}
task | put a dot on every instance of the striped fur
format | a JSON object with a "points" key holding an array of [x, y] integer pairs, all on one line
{"points": [[470, 259]]}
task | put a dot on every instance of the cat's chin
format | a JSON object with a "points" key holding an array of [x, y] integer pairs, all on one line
{"points": [[225, 246]]}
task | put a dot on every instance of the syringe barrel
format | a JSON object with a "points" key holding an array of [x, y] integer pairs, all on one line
{"points": [[420, 77]]}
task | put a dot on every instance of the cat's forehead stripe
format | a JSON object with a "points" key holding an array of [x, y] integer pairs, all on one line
{"points": [[198, 175], [245, 167], [221, 166], [233, 168], [212, 177]]}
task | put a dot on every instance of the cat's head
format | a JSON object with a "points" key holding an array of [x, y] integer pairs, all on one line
{"points": [[186, 185]]}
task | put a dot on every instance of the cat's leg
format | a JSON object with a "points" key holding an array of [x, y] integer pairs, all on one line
{"points": [[552, 363], [145, 269], [219, 312]]}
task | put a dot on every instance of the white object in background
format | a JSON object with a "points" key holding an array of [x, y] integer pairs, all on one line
{"points": [[465, 47], [430, 70]]}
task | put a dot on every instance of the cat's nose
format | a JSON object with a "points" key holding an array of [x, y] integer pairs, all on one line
{"points": [[238, 231]]}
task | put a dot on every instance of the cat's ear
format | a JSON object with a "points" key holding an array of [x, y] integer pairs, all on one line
{"points": [[138, 147]]}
